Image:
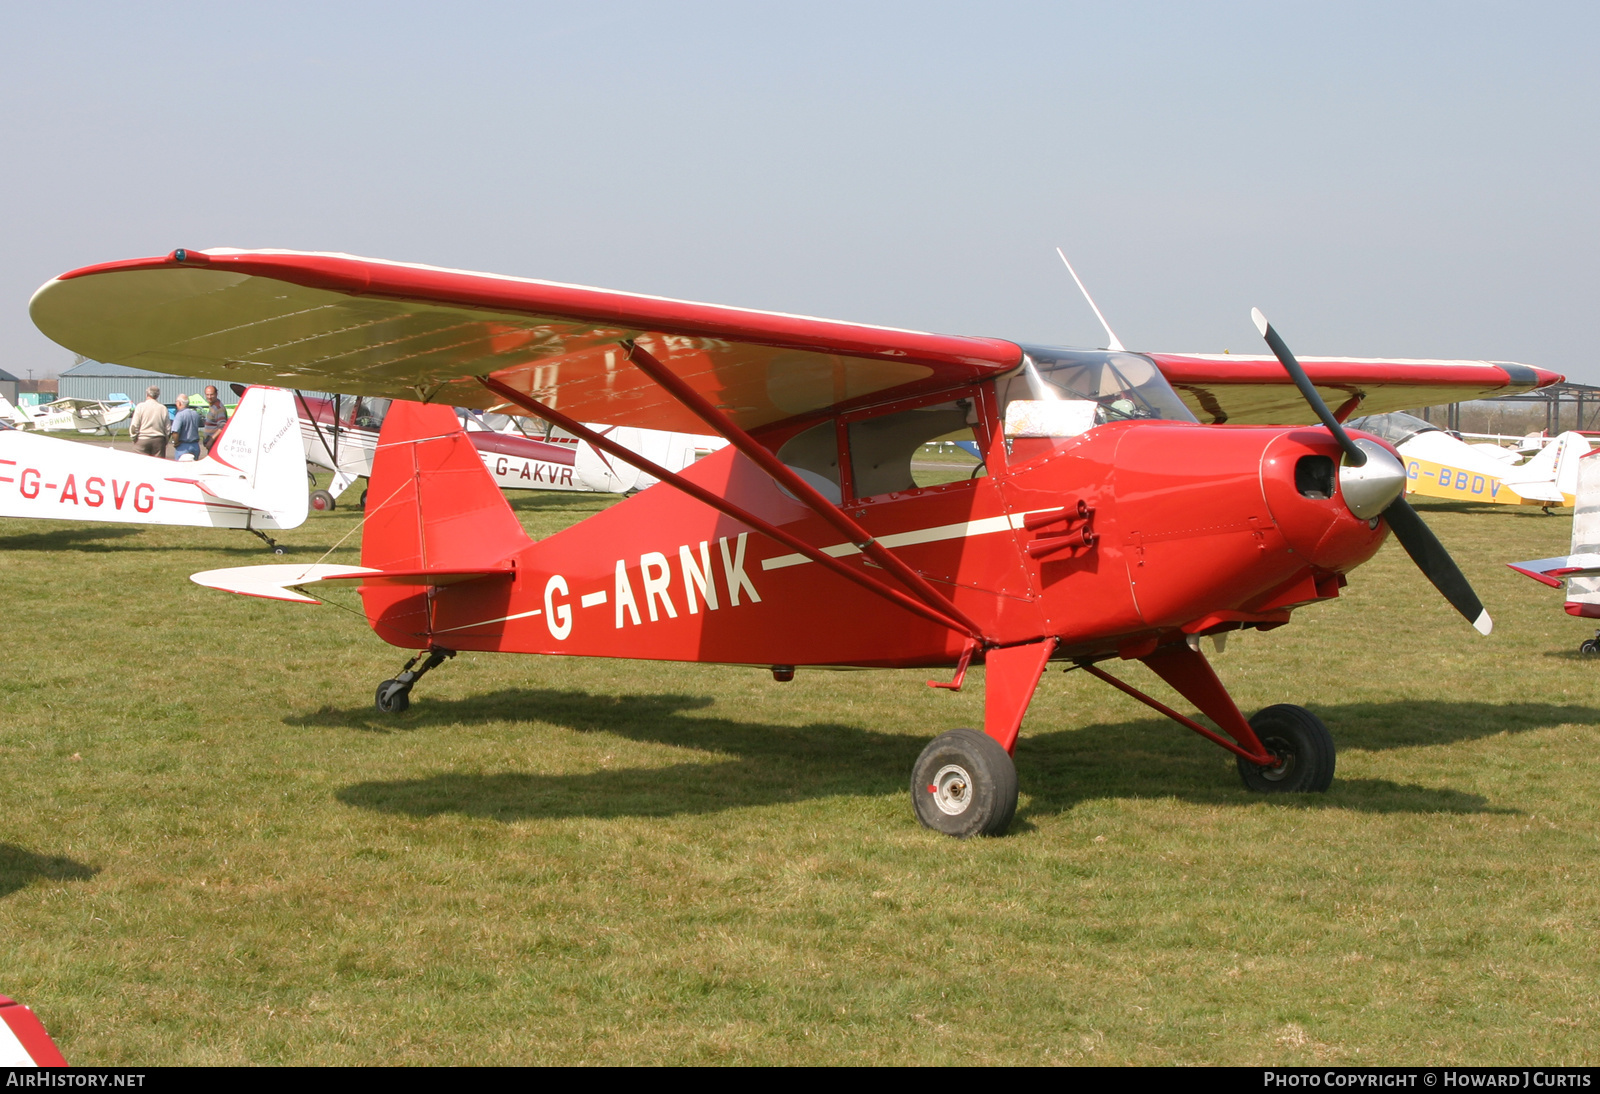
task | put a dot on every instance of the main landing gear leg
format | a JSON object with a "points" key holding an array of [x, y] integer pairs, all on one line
{"points": [[277, 548], [394, 696], [1282, 749], [964, 783]]}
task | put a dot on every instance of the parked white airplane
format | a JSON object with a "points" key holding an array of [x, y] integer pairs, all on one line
{"points": [[66, 415], [254, 478], [340, 433], [1580, 569], [1440, 465]]}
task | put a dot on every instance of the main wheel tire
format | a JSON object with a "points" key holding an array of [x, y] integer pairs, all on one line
{"points": [[964, 784], [1304, 747], [362, 504], [321, 501], [1589, 647], [393, 697]]}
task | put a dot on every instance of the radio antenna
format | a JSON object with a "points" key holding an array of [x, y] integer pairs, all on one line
{"points": [[1116, 343]]}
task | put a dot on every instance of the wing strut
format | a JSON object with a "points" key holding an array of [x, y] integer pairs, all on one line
{"points": [[803, 491], [951, 619], [333, 452]]}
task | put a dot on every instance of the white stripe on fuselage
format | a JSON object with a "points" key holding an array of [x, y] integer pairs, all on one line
{"points": [[962, 530], [487, 622]]}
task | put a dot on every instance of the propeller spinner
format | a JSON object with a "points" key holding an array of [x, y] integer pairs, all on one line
{"points": [[1372, 481]]}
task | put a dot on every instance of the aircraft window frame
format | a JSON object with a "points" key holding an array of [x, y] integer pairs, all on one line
{"points": [[806, 459], [980, 400], [1040, 363], [1391, 428]]}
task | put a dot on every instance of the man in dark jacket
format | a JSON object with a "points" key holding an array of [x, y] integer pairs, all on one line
{"points": [[216, 418]]}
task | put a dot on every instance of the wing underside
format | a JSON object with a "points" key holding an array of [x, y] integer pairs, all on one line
{"points": [[338, 323], [367, 327], [1255, 390]]}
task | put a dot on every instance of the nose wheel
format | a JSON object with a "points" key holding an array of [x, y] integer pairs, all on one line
{"points": [[964, 784], [394, 695], [1302, 746]]}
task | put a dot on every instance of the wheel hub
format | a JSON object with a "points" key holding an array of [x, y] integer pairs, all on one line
{"points": [[1284, 754], [952, 790]]}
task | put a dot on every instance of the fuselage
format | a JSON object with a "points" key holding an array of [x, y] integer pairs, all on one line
{"points": [[1110, 540]]}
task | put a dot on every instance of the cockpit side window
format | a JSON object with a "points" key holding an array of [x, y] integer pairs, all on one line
{"points": [[1060, 393], [813, 454], [1122, 386], [1397, 428], [882, 449], [369, 413]]}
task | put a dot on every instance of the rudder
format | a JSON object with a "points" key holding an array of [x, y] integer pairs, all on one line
{"points": [[431, 504]]}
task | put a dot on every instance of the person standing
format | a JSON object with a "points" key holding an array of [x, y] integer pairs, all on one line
{"points": [[148, 426], [216, 417], [185, 431]]}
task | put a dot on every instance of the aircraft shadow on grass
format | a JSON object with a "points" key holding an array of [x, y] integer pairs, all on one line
{"points": [[539, 501], [756, 764], [20, 867], [64, 539], [92, 540]]}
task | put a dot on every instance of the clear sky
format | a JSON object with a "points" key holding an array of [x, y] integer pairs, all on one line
{"points": [[1387, 179]]}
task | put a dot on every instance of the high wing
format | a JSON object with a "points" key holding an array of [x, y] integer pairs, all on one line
{"points": [[389, 329], [1252, 390], [368, 327]]}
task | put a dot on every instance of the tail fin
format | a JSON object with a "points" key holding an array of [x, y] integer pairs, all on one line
{"points": [[1583, 593], [1574, 446], [431, 504], [258, 459], [15, 415], [1542, 468]]}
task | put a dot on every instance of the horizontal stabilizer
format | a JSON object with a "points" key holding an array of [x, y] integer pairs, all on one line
{"points": [[1550, 571], [284, 582], [233, 488]]}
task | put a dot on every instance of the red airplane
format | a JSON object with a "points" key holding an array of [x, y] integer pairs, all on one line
{"points": [[1104, 521]]}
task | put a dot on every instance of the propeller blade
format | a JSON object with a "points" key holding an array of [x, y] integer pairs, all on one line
{"points": [[1353, 453], [1435, 563]]}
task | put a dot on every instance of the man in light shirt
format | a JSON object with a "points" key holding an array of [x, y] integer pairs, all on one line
{"points": [[148, 426], [185, 431]]}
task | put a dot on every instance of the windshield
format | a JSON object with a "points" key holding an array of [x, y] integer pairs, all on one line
{"points": [[1396, 428], [1122, 386]]}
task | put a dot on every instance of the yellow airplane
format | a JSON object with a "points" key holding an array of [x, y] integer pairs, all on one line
{"points": [[1440, 465]]}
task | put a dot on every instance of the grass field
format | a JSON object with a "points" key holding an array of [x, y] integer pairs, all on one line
{"points": [[215, 851]]}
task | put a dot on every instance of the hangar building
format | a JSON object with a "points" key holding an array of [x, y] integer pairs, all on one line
{"points": [[93, 380]]}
